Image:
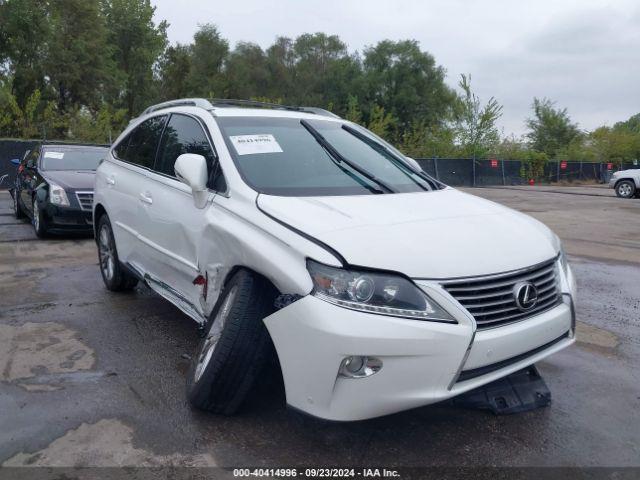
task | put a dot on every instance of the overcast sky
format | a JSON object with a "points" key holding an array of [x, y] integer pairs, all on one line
{"points": [[584, 54]]}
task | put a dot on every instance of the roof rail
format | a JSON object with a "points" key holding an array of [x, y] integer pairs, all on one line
{"points": [[230, 102], [183, 102]]}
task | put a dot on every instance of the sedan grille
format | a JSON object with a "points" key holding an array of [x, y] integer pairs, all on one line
{"points": [[85, 199], [492, 299]]}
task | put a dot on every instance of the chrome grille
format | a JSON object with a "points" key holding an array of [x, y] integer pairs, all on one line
{"points": [[491, 299], [85, 199]]}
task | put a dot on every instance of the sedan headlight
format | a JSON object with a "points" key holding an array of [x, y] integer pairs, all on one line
{"points": [[57, 195], [373, 292]]}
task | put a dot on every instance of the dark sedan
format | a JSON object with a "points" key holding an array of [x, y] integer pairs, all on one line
{"points": [[54, 187]]}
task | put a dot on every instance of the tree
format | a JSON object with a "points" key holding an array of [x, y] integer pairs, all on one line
{"points": [[353, 110], [323, 71], [429, 141], [280, 68], [476, 128], [77, 62], [246, 72], [173, 71], [24, 39], [550, 128], [613, 144], [407, 83], [136, 46], [381, 123], [632, 124], [533, 163], [208, 54]]}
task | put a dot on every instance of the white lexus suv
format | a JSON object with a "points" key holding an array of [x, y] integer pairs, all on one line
{"points": [[381, 288]]}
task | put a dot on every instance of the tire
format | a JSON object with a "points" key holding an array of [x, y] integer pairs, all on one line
{"points": [[236, 345], [38, 221], [17, 209], [625, 189], [115, 277]]}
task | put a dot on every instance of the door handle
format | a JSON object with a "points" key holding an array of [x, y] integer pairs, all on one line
{"points": [[110, 181], [146, 198]]}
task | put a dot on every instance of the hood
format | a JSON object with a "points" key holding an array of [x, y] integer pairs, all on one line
{"points": [[630, 171], [71, 179], [440, 234]]}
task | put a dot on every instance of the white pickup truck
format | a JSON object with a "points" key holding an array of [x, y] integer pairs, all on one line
{"points": [[626, 183]]}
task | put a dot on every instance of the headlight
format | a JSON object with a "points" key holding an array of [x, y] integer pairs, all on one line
{"points": [[373, 292], [57, 195]]}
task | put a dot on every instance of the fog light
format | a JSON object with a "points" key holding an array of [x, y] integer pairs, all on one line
{"points": [[358, 366]]}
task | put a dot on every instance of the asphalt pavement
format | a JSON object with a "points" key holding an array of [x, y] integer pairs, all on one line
{"points": [[94, 378]]}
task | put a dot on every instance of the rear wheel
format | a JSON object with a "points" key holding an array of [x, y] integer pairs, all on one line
{"points": [[625, 189], [114, 276], [236, 345], [39, 222], [17, 209]]}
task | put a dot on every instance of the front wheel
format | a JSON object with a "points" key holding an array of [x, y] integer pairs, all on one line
{"points": [[236, 345], [114, 276], [17, 209], [625, 189], [39, 222]]}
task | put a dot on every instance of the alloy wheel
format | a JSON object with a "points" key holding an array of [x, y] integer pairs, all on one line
{"points": [[214, 334], [624, 190], [107, 257], [36, 215]]}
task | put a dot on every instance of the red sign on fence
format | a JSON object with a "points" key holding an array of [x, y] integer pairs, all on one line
{"points": [[494, 163], [563, 165], [609, 166]]}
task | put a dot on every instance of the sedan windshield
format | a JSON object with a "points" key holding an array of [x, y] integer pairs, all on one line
{"points": [[72, 158], [294, 157]]}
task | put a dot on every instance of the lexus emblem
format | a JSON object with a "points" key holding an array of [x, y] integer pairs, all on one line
{"points": [[525, 295]]}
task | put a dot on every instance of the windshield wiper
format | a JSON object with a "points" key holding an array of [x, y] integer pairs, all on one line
{"points": [[385, 151], [340, 158]]}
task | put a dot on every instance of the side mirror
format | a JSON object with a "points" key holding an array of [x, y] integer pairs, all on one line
{"points": [[191, 169], [15, 161], [415, 164]]}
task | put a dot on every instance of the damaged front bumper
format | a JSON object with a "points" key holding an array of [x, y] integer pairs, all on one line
{"points": [[422, 362]]}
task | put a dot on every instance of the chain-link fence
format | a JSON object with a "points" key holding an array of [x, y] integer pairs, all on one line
{"points": [[469, 173]]}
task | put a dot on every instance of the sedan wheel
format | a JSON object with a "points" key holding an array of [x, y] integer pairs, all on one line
{"points": [[39, 224], [17, 211]]}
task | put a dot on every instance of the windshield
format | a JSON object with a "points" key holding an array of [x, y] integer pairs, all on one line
{"points": [[72, 158], [293, 157]]}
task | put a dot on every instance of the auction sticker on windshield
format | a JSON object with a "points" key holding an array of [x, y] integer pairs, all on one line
{"points": [[58, 155], [252, 144]]}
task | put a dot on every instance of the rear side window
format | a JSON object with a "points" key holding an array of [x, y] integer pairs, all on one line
{"points": [[184, 134], [140, 146]]}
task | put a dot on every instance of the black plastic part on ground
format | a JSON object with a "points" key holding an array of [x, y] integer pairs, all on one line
{"points": [[521, 391]]}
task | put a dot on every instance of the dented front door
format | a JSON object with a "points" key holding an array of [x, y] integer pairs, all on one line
{"points": [[173, 229]]}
